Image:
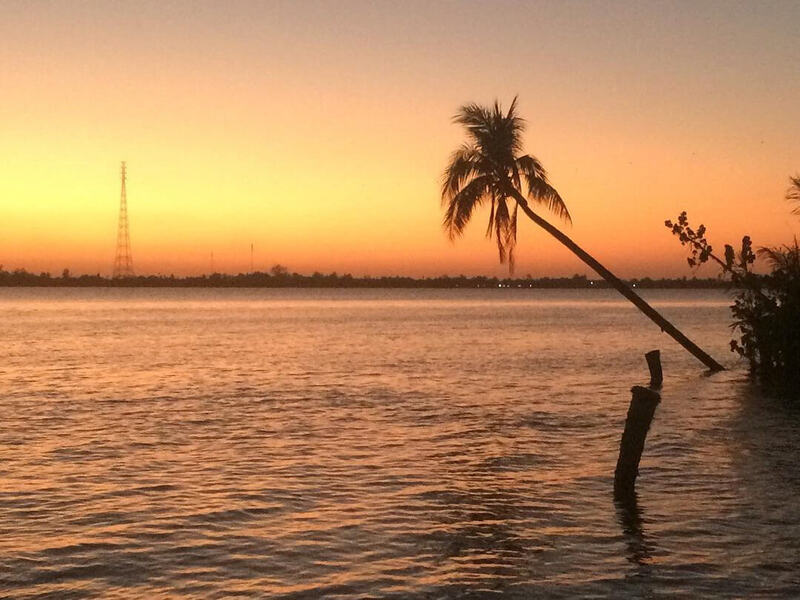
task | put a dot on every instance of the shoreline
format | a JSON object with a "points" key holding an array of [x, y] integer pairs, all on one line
{"points": [[18, 279]]}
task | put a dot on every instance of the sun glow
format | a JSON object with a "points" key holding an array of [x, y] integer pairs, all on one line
{"points": [[322, 140]]}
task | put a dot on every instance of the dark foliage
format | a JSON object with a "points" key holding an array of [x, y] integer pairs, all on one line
{"points": [[793, 193], [481, 171], [766, 308], [279, 276]]}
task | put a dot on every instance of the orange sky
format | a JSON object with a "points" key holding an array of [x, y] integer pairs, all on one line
{"points": [[318, 131]]}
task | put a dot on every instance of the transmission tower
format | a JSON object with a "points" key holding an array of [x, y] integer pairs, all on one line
{"points": [[123, 261]]}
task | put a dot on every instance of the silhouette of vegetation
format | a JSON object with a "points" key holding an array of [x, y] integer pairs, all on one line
{"points": [[489, 169], [484, 169], [793, 193], [280, 271], [280, 277], [766, 308]]}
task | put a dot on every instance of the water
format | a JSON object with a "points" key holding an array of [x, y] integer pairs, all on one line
{"points": [[381, 444]]}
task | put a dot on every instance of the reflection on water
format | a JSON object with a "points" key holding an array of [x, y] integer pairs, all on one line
{"points": [[640, 549], [350, 444]]}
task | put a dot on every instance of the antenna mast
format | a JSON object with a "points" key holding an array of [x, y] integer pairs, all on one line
{"points": [[123, 261]]}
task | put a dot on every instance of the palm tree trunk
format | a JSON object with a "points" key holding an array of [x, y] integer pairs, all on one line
{"points": [[619, 285]]}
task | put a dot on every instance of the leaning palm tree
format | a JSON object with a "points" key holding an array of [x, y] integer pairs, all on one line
{"points": [[793, 193], [491, 169]]}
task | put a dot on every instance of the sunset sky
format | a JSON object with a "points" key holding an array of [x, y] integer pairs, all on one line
{"points": [[318, 130]]}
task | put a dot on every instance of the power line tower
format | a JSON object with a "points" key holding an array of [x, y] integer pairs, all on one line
{"points": [[123, 261]]}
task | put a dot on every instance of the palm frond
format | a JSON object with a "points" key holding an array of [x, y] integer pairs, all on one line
{"points": [[502, 220], [491, 215], [785, 257], [476, 119], [462, 167], [460, 206], [540, 190], [505, 231], [771, 255], [793, 193], [516, 126], [512, 110], [516, 178], [531, 166]]}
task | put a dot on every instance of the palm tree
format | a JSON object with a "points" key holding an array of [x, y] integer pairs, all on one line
{"points": [[793, 193], [491, 169]]}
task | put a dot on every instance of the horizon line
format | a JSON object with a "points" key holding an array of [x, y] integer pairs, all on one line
{"points": [[280, 274]]}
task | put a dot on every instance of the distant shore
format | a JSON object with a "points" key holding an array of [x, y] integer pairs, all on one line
{"points": [[22, 278]]}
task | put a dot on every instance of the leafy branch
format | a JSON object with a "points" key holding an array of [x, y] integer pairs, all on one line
{"points": [[701, 251], [766, 308]]}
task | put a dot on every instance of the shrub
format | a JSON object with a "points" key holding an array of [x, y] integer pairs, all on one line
{"points": [[766, 308]]}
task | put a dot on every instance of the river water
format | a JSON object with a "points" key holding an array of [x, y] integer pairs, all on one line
{"points": [[381, 444]]}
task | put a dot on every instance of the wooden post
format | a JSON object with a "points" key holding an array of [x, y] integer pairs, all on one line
{"points": [[640, 415], [654, 364]]}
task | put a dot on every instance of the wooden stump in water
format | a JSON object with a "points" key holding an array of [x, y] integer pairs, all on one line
{"points": [[654, 364], [640, 415]]}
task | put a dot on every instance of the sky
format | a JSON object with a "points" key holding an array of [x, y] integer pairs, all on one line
{"points": [[318, 131]]}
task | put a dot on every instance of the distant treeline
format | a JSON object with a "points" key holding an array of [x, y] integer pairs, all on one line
{"points": [[280, 277]]}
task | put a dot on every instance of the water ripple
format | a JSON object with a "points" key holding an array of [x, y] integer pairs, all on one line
{"points": [[379, 445]]}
